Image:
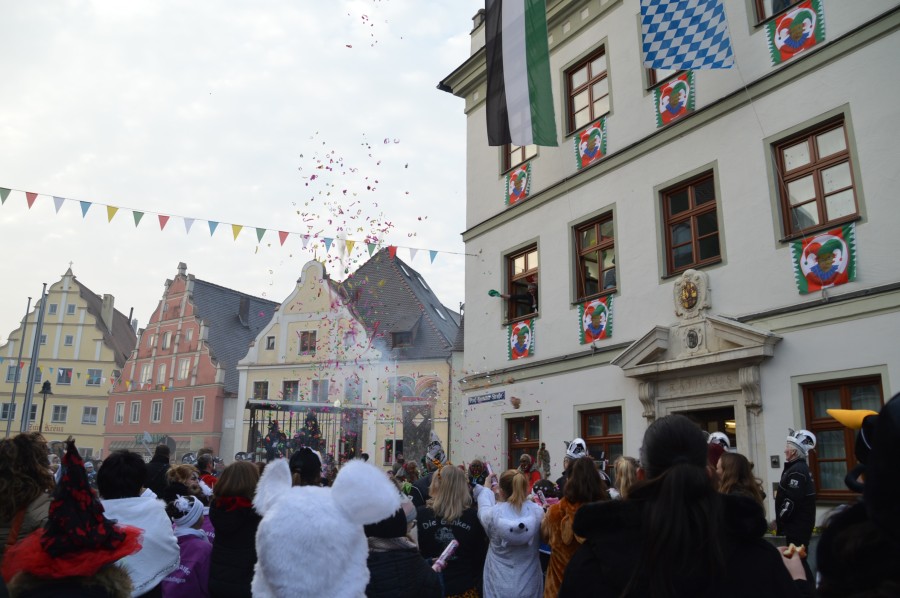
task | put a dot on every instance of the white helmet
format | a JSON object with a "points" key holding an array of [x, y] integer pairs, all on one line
{"points": [[576, 449], [719, 438], [803, 440]]}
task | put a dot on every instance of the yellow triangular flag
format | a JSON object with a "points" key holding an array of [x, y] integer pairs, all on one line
{"points": [[350, 245], [236, 230], [111, 212]]}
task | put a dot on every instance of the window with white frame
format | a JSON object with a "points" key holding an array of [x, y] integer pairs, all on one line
{"points": [[69, 340], [156, 411], [43, 339], [94, 376], [189, 334], [33, 415], [151, 341], [319, 391], [178, 410], [38, 375], [184, 368], [64, 376], [146, 374], [70, 309], [135, 412], [166, 340], [161, 377], [270, 343], [120, 413], [13, 374], [7, 411], [89, 416], [60, 414], [199, 404], [52, 309]]}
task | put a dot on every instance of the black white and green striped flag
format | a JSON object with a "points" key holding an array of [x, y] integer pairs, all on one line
{"points": [[519, 93]]}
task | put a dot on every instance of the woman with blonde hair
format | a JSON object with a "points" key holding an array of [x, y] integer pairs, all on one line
{"points": [[626, 475], [235, 522], [449, 515], [25, 486], [735, 474], [512, 523]]}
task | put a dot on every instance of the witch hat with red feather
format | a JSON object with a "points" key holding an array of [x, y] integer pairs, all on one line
{"points": [[77, 540]]}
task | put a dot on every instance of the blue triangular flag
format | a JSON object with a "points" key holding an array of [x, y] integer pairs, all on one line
{"points": [[432, 254], [212, 227], [328, 241], [85, 206]]}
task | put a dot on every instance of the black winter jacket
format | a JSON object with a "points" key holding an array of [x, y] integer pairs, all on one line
{"points": [[234, 548], [156, 475], [604, 564], [401, 573], [795, 503]]}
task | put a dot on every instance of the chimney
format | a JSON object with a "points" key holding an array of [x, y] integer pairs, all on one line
{"points": [[244, 311], [107, 311], [182, 269]]}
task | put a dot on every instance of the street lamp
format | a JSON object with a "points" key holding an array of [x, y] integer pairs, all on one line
{"points": [[45, 390]]}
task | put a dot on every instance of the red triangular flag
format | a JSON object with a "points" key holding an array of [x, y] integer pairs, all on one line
{"points": [[30, 197], [163, 219], [282, 236], [392, 250]]}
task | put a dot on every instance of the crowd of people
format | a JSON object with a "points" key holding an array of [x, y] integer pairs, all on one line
{"points": [[684, 518]]}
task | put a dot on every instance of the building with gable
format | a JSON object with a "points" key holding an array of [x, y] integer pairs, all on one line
{"points": [[363, 365], [715, 243], [180, 381], [84, 344]]}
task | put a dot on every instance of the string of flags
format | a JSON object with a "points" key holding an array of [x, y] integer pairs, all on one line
{"points": [[64, 373], [236, 229]]}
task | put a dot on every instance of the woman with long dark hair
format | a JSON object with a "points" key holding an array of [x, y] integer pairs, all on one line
{"points": [[584, 486], [735, 474], [676, 535], [25, 486], [235, 521]]}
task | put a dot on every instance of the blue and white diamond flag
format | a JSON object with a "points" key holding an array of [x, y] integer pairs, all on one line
{"points": [[685, 34]]}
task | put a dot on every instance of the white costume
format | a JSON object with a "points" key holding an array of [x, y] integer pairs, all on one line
{"points": [[512, 567]]}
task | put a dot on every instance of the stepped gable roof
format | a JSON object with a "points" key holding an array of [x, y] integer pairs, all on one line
{"points": [[390, 296], [229, 335], [122, 338]]}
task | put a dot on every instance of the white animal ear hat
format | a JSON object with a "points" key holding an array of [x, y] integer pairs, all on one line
{"points": [[310, 541]]}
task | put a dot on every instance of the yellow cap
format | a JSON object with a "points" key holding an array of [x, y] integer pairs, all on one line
{"points": [[851, 418]]}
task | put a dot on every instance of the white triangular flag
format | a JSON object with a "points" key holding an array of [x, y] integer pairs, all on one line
{"points": [[58, 202], [188, 223], [305, 241], [412, 254]]}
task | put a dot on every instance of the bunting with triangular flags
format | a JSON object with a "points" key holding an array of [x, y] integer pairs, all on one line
{"points": [[432, 254], [412, 253], [163, 220], [188, 223], [327, 241], [371, 248], [58, 202], [137, 217], [4, 193], [392, 251], [305, 241], [282, 236], [259, 233], [212, 226], [236, 230], [85, 206], [30, 197], [111, 212], [349, 245]]}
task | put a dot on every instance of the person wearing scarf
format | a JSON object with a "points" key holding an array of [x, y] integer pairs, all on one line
{"points": [[191, 578]]}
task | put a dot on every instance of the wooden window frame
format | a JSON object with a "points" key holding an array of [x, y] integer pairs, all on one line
{"points": [[571, 91], [760, 10], [403, 338], [285, 394], [814, 169], [817, 425], [603, 245], [690, 215], [270, 343], [521, 278], [261, 385], [603, 441], [530, 445], [307, 343], [522, 154]]}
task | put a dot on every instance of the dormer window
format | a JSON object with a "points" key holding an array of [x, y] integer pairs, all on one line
{"points": [[402, 339]]}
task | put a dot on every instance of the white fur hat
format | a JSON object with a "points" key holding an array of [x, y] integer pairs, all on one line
{"points": [[310, 541]]}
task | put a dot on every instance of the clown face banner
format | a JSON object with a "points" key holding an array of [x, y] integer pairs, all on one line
{"points": [[674, 98], [520, 339], [590, 144], [825, 260], [795, 31], [518, 184], [595, 319]]}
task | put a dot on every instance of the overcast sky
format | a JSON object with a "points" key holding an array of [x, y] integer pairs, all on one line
{"points": [[306, 116]]}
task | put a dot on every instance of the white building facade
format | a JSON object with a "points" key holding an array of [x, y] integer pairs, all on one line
{"points": [[681, 236]]}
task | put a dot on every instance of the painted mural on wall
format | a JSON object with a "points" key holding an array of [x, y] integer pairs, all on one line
{"points": [[520, 339], [674, 99], [590, 144], [518, 184], [796, 31], [825, 260], [595, 319]]}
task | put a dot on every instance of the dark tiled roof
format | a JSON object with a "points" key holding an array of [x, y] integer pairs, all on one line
{"points": [[229, 336], [122, 338], [458, 342], [389, 296]]}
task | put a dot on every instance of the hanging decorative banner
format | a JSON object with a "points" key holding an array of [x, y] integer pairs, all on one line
{"points": [[432, 254], [260, 232], [518, 184], [590, 144], [137, 217], [674, 98], [520, 339], [392, 251], [327, 241], [349, 244], [825, 260], [188, 223], [305, 241], [111, 213], [795, 31], [595, 320], [212, 226], [371, 248], [163, 220], [282, 236], [58, 202], [412, 254], [4, 193], [236, 230], [85, 206], [30, 197]]}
